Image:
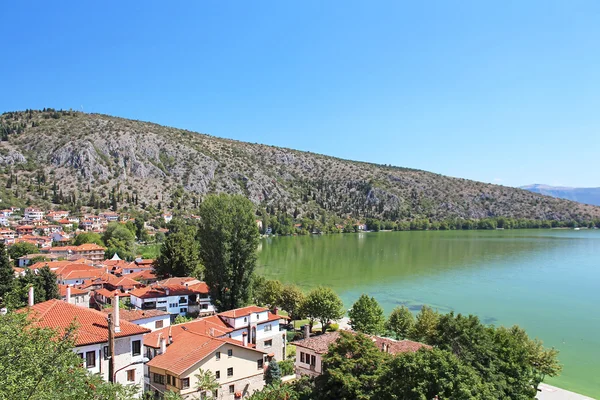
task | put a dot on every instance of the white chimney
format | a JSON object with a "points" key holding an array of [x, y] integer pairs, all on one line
{"points": [[30, 297], [68, 300], [306, 331], [245, 338], [116, 313], [212, 332], [163, 345]]}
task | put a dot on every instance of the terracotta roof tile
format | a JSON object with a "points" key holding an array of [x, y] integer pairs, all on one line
{"points": [[135, 315], [92, 324], [242, 312]]}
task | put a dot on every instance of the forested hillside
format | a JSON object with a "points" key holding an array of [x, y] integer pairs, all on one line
{"points": [[74, 159]]}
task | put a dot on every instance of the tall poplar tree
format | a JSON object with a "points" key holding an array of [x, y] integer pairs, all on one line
{"points": [[228, 238], [7, 274]]}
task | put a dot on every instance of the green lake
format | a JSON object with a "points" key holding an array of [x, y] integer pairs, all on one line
{"points": [[547, 281]]}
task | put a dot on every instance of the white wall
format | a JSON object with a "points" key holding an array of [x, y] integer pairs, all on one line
{"points": [[150, 323]]}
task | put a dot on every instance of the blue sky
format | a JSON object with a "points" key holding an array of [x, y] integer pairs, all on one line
{"points": [[506, 92]]}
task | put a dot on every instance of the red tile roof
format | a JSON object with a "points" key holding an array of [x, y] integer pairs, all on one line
{"points": [[320, 343], [157, 290], [92, 325], [243, 312], [142, 275], [74, 291], [203, 326], [135, 315], [190, 348]]}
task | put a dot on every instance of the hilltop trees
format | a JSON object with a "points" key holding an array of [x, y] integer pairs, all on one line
{"points": [[366, 316], [7, 274], [228, 238]]}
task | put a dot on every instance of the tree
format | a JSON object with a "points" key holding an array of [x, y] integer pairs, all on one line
{"points": [[179, 255], [140, 229], [543, 361], [366, 316], [21, 249], [7, 275], [351, 368], [425, 328], [206, 381], [275, 392], [400, 323], [228, 238], [88, 237], [47, 280], [273, 373], [324, 305], [269, 293], [119, 240], [292, 299], [429, 374], [39, 364]]}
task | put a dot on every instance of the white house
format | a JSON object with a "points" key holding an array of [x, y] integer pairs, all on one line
{"points": [[176, 299], [33, 214], [93, 346], [73, 295], [150, 319]]}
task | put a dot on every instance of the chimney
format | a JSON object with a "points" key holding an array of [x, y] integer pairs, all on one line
{"points": [[306, 331], [167, 291], [276, 310], [212, 332], [163, 345], [30, 297], [68, 299], [116, 312], [245, 338]]}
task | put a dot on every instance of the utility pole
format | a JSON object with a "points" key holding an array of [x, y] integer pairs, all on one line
{"points": [[111, 349]]}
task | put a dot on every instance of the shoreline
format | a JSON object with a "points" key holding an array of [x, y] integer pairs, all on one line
{"points": [[548, 392]]}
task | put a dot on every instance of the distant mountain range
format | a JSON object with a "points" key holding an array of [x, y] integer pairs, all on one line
{"points": [[580, 195], [56, 158]]}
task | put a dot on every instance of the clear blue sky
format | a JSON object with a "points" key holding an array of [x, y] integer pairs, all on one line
{"points": [[505, 92]]}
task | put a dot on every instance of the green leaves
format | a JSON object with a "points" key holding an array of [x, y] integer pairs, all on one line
{"points": [[229, 237], [324, 305], [179, 254], [400, 323], [366, 316]]}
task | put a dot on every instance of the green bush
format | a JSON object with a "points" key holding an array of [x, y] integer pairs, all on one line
{"points": [[286, 367], [291, 336], [333, 327]]}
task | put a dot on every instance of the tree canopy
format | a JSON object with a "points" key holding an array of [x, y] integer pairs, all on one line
{"points": [[228, 238], [366, 316], [400, 323], [324, 305], [179, 254], [118, 239], [21, 249]]}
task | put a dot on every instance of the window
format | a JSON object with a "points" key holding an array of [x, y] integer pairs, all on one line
{"points": [[218, 355], [301, 357], [90, 359], [205, 306], [159, 379], [268, 328], [257, 316], [170, 380], [245, 319], [105, 351], [231, 389], [259, 364], [158, 324], [229, 353], [183, 310], [185, 383], [268, 343], [131, 375], [136, 347], [217, 374], [313, 360], [81, 355], [230, 371]]}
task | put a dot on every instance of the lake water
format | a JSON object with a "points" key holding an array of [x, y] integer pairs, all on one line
{"points": [[547, 281]]}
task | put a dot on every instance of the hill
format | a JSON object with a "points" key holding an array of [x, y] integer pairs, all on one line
{"points": [[73, 158], [581, 195]]}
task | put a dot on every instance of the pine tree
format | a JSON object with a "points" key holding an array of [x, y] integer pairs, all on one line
{"points": [[273, 374]]}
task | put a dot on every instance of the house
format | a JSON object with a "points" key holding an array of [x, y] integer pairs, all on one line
{"points": [[138, 265], [178, 355], [100, 298], [109, 216], [253, 325], [6, 213], [146, 276], [3, 220], [309, 351], [57, 215], [7, 234], [92, 344], [176, 299], [167, 217], [25, 229], [33, 214], [74, 273], [89, 251], [151, 319], [75, 296], [26, 259], [111, 282]]}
